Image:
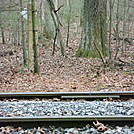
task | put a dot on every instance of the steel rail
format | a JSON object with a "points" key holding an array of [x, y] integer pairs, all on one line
{"points": [[70, 95], [65, 121], [66, 118]]}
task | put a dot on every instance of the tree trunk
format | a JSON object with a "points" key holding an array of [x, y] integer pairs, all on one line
{"points": [[56, 3], [35, 38], [57, 24], [18, 33], [41, 15], [2, 31], [94, 33], [68, 20], [49, 28], [23, 39], [124, 25], [30, 38], [3, 36]]}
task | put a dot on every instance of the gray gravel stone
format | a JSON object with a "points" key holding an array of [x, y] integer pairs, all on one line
{"points": [[84, 130], [82, 108]]}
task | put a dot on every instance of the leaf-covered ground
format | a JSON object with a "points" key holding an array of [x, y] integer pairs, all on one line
{"points": [[64, 74]]}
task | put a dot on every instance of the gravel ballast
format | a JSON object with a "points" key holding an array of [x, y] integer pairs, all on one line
{"points": [[27, 108], [52, 130], [70, 108]]}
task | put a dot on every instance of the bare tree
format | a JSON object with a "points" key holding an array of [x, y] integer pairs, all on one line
{"points": [[35, 37], [94, 33]]}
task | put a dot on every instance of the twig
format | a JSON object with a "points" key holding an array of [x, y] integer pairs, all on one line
{"points": [[101, 55], [58, 8], [125, 62]]}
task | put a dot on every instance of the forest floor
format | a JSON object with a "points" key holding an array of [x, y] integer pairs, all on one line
{"points": [[65, 74]]}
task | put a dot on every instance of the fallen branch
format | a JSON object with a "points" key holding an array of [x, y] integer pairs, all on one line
{"points": [[101, 55]]}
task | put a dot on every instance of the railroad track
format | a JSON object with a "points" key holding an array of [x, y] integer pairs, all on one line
{"points": [[67, 121], [71, 95]]}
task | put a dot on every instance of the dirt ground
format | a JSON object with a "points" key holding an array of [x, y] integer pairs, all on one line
{"points": [[64, 74]]}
